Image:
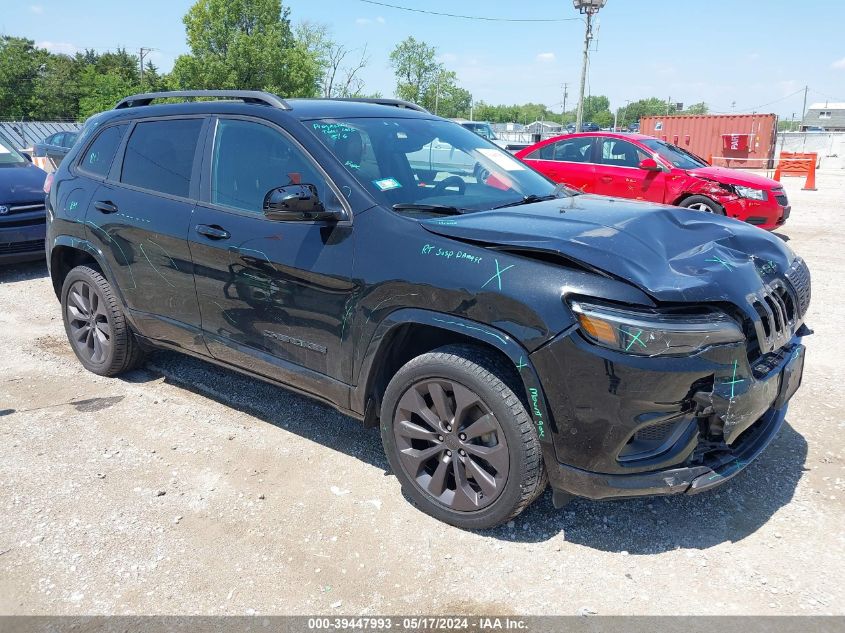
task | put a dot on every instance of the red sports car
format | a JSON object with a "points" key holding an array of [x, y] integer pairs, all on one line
{"points": [[646, 168]]}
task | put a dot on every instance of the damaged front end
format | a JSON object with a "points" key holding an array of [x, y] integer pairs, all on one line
{"points": [[638, 412]]}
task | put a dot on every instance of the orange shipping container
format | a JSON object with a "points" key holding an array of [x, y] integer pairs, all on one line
{"points": [[733, 140]]}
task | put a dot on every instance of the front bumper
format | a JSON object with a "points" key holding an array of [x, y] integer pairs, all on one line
{"points": [[22, 243], [766, 214], [715, 413]]}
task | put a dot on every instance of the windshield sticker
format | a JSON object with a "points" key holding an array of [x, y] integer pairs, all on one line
{"points": [[386, 184], [501, 159], [334, 131]]}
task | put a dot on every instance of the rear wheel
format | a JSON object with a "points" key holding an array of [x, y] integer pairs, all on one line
{"points": [[459, 439], [96, 326], [703, 203]]}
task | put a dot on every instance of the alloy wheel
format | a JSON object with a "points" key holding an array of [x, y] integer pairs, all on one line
{"points": [[451, 445], [700, 206], [90, 331]]}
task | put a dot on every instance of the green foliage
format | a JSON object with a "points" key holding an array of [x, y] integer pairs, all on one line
{"points": [[20, 66], [597, 110], [245, 45]]}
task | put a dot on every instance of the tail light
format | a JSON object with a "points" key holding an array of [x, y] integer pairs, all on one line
{"points": [[48, 182]]}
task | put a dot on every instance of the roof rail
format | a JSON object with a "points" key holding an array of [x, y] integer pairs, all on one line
{"points": [[247, 96], [397, 103]]}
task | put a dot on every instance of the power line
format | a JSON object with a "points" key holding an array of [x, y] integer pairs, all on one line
{"points": [[468, 17]]}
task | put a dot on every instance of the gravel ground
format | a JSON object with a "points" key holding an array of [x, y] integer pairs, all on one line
{"points": [[185, 489]]}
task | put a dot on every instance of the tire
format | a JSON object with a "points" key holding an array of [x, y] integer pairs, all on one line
{"points": [[95, 325], [431, 452], [703, 203]]}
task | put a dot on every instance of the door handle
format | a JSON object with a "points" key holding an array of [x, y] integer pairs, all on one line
{"points": [[213, 232], [606, 178], [105, 206]]}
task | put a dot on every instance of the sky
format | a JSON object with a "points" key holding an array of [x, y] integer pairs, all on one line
{"points": [[736, 56]]}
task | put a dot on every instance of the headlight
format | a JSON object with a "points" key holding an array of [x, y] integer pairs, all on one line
{"points": [[753, 194], [653, 333]]}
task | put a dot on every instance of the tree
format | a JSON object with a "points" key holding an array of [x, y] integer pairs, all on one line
{"points": [[99, 92], [415, 67], [245, 44], [697, 108], [338, 68], [20, 65], [597, 110], [56, 94]]}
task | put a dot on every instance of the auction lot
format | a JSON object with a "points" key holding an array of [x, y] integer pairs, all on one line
{"points": [[183, 488]]}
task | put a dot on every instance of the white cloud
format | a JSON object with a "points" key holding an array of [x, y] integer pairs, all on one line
{"points": [[839, 64], [61, 48], [36, 8], [546, 58], [366, 21]]}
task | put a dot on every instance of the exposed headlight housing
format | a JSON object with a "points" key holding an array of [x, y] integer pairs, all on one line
{"points": [[751, 193], [655, 333]]}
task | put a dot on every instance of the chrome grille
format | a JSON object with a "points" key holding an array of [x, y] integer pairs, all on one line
{"points": [[798, 277], [777, 315], [24, 208]]}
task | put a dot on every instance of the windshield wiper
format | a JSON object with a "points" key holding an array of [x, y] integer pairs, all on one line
{"points": [[560, 191], [434, 208], [529, 199]]}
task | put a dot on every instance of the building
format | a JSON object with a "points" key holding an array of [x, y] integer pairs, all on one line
{"points": [[829, 116]]}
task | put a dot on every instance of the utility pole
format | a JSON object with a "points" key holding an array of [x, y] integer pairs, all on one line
{"points": [[588, 35], [588, 8], [565, 95], [143, 53], [437, 95], [804, 108], [668, 101]]}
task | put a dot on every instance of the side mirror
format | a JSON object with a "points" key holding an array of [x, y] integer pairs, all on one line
{"points": [[649, 164], [296, 203]]}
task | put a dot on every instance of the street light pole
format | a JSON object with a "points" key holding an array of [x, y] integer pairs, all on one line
{"points": [[589, 8]]}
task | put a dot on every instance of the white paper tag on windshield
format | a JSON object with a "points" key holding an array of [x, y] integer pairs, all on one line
{"points": [[501, 159]]}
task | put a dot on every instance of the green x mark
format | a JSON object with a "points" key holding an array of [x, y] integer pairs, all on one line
{"points": [[719, 260], [498, 275], [635, 338], [522, 364], [733, 382]]}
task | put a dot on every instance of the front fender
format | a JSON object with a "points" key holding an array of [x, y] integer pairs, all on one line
{"points": [[484, 334]]}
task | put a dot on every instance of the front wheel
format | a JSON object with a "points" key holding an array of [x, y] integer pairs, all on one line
{"points": [[459, 439], [703, 203]]}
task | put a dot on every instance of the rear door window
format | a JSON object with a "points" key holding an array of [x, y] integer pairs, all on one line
{"points": [[98, 158], [160, 155]]}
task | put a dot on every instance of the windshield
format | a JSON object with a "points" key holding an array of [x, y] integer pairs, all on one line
{"points": [[429, 162], [680, 158], [9, 155]]}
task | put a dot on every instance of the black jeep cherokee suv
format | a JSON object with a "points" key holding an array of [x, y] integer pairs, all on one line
{"points": [[500, 330]]}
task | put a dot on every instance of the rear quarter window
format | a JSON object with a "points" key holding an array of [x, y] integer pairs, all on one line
{"points": [[98, 158], [160, 155]]}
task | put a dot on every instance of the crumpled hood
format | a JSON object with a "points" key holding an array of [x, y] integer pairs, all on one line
{"points": [[674, 255], [735, 177], [21, 184]]}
